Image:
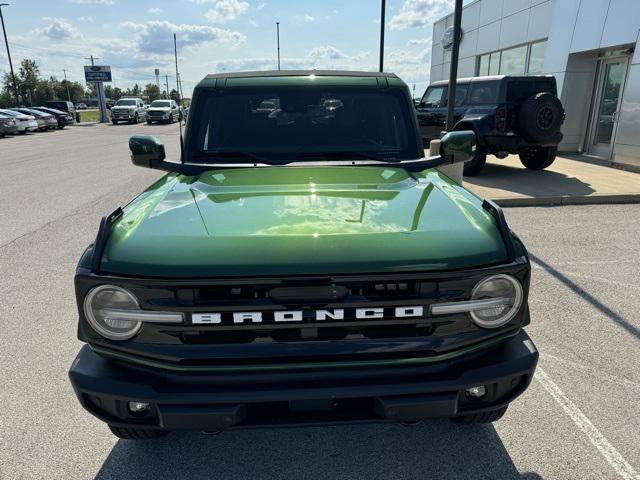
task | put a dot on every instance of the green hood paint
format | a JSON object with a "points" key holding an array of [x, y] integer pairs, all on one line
{"points": [[301, 220]]}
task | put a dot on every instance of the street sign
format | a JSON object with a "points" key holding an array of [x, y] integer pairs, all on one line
{"points": [[97, 73]]}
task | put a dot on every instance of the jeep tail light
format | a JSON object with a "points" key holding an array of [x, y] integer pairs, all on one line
{"points": [[501, 119]]}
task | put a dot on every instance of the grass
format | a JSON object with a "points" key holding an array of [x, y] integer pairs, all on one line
{"points": [[92, 115]]}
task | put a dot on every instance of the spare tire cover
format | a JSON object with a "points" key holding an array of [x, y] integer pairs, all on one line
{"points": [[540, 117]]}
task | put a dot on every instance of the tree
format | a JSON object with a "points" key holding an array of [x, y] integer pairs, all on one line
{"points": [[152, 91], [174, 95], [28, 80]]}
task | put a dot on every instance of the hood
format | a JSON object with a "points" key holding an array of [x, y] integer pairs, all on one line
{"points": [[159, 109], [123, 107], [302, 220]]}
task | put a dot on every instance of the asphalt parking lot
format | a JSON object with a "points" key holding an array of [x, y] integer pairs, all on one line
{"points": [[580, 419]]}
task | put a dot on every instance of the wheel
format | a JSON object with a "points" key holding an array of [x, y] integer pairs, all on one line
{"points": [[115, 122], [136, 119], [136, 433], [483, 417], [23, 132], [171, 119], [476, 164], [540, 117], [149, 122], [537, 158]]}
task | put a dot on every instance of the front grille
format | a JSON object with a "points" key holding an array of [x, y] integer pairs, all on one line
{"points": [[156, 114], [304, 299]]}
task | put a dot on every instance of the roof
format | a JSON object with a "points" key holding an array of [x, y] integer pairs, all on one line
{"points": [[299, 73], [296, 78], [486, 79]]}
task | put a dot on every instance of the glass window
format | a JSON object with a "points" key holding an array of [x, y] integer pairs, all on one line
{"points": [[301, 123], [536, 59], [483, 92], [432, 98], [513, 61], [494, 63], [483, 65], [461, 94]]}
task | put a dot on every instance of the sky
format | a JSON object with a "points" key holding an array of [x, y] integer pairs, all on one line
{"points": [[136, 36]]}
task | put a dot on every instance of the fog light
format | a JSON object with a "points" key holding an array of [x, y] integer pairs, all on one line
{"points": [[139, 408], [477, 392]]}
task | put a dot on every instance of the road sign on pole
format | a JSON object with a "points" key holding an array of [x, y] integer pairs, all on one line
{"points": [[98, 74]]}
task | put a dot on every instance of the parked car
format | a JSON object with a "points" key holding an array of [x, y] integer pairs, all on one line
{"points": [[46, 121], [304, 265], [63, 118], [81, 106], [7, 125], [163, 111], [131, 110], [510, 114], [25, 123], [64, 106]]}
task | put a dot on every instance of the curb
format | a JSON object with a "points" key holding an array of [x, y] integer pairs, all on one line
{"points": [[559, 200]]}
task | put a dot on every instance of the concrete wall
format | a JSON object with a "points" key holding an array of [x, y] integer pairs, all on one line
{"points": [[627, 146], [490, 25]]}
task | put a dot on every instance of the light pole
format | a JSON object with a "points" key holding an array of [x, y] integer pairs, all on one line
{"points": [[382, 20], [453, 73], [6, 42], [66, 82], [278, 39]]}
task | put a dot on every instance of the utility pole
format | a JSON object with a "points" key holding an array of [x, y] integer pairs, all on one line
{"points": [[382, 21], [278, 39], [66, 82], [166, 80], [453, 73], [6, 42]]}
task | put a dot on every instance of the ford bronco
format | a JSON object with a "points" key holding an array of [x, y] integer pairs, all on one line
{"points": [[301, 263], [510, 114]]}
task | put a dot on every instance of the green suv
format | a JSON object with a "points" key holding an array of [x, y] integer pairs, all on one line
{"points": [[302, 263]]}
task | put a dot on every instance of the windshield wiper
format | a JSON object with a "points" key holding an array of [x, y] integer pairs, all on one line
{"points": [[348, 155], [226, 154]]}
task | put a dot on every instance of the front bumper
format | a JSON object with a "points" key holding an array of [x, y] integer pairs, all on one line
{"points": [[206, 401]]}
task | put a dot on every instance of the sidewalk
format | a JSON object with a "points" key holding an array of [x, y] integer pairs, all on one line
{"points": [[566, 182]]}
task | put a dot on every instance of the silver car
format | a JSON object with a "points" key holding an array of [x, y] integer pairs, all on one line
{"points": [[25, 123], [46, 121]]}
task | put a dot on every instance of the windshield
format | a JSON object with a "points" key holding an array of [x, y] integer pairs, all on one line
{"points": [[160, 103], [302, 123], [125, 102]]}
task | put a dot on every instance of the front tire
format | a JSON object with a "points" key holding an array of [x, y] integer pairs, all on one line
{"points": [[482, 417], [136, 119], [537, 158], [136, 433], [115, 122], [149, 122], [476, 164]]}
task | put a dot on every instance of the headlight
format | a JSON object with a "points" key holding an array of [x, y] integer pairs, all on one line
{"points": [[494, 302], [99, 305], [115, 313], [503, 296]]}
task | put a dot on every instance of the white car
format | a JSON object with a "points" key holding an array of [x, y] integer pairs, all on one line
{"points": [[163, 111], [25, 123], [131, 110]]}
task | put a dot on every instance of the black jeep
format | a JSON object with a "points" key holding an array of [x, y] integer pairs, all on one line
{"points": [[510, 114]]}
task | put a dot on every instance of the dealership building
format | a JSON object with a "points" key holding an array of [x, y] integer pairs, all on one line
{"points": [[590, 46]]}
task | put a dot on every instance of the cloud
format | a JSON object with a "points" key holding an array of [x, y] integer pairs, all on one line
{"points": [[154, 10], [85, 19], [420, 13], [225, 10], [58, 29], [419, 41], [308, 18], [156, 37], [93, 2], [261, 5]]}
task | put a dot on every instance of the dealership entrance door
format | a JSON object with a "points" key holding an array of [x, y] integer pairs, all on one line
{"points": [[604, 122]]}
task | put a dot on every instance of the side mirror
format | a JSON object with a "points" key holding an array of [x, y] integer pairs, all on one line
{"points": [[416, 102], [146, 151], [459, 146]]}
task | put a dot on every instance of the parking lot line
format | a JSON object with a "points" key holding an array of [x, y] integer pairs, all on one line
{"points": [[597, 439]]}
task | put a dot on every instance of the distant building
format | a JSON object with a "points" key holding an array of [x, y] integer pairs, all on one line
{"points": [[591, 47]]}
